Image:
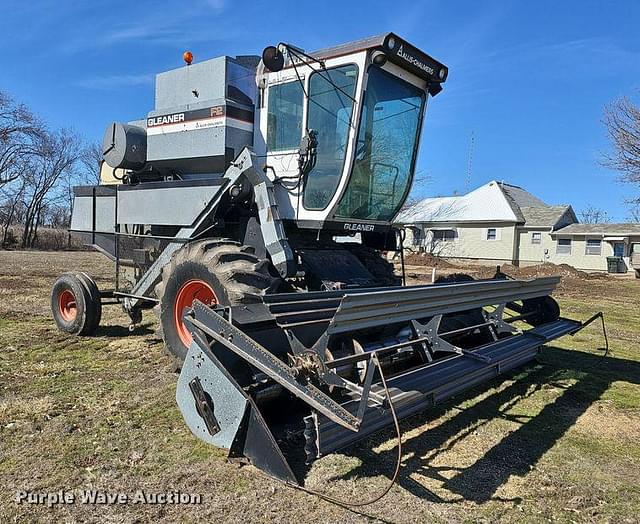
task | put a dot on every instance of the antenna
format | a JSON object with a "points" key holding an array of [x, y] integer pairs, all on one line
{"points": [[467, 182]]}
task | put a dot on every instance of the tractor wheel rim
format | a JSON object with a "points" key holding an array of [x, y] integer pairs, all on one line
{"points": [[190, 291], [67, 306]]}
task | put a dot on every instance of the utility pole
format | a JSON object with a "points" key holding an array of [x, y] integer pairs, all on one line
{"points": [[467, 182]]}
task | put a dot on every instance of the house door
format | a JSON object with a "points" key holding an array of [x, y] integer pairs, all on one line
{"points": [[618, 249]]}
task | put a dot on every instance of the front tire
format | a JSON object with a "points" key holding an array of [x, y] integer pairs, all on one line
{"points": [[216, 272]]}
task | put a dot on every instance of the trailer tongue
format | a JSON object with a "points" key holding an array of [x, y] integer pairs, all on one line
{"points": [[329, 352]]}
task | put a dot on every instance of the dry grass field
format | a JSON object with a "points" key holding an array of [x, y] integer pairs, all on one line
{"points": [[558, 440]]}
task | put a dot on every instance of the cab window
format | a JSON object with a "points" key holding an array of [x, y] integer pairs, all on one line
{"points": [[386, 148], [284, 116], [329, 114]]}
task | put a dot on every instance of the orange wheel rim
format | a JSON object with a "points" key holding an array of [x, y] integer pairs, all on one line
{"points": [[67, 306], [190, 291]]}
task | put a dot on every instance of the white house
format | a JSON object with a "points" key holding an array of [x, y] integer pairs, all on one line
{"points": [[587, 246], [498, 223]]}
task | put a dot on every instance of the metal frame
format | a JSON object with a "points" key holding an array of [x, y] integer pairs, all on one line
{"points": [[271, 225]]}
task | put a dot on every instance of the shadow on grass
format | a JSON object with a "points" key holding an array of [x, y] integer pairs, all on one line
{"points": [[516, 452], [123, 331]]}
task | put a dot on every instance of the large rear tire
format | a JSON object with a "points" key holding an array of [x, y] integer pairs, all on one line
{"points": [[212, 271]]}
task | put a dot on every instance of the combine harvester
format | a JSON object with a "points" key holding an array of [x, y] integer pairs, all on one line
{"points": [[226, 209]]}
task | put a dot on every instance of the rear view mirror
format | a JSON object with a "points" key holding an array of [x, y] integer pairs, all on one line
{"points": [[273, 59]]}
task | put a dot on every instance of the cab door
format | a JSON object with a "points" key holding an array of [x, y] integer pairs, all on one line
{"points": [[281, 126], [330, 115]]}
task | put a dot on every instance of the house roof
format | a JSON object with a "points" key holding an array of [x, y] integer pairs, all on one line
{"points": [[492, 202], [521, 197], [624, 229], [487, 203], [547, 216]]}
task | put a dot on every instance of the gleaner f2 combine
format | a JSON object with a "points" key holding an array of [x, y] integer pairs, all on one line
{"points": [[226, 211]]}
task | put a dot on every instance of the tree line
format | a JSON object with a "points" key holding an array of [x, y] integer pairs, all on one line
{"points": [[38, 168]]}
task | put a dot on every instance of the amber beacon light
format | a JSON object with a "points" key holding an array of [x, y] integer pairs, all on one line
{"points": [[187, 56]]}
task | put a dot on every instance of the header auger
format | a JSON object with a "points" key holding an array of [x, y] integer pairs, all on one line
{"points": [[249, 210]]}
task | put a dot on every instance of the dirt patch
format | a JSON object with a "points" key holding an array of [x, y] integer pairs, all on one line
{"points": [[548, 269], [487, 271], [419, 270], [425, 259], [601, 420]]}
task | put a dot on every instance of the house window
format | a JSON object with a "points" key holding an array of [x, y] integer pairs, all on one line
{"points": [[444, 235], [564, 246], [593, 246], [536, 238], [492, 233], [284, 116]]}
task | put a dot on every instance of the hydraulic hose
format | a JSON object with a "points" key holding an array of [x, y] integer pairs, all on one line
{"points": [[394, 477]]}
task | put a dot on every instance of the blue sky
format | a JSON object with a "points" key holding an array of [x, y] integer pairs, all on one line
{"points": [[528, 79]]}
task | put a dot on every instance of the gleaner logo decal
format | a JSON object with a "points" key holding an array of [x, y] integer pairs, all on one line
{"points": [[165, 119], [359, 227], [205, 118], [189, 116], [413, 60]]}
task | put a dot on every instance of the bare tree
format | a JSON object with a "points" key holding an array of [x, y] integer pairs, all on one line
{"points": [[58, 154], [594, 215], [90, 161], [634, 213], [20, 131], [38, 169], [11, 207], [420, 180], [432, 231], [622, 121]]}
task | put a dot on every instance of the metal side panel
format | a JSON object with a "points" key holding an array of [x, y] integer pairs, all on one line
{"points": [[365, 310], [423, 387], [229, 401], [239, 426], [216, 187], [94, 209], [82, 215], [173, 203], [105, 214]]}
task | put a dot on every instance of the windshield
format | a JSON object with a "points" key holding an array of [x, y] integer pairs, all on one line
{"points": [[386, 148], [330, 105]]}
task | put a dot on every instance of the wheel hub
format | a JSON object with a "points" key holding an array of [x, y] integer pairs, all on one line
{"points": [[191, 290], [67, 306]]}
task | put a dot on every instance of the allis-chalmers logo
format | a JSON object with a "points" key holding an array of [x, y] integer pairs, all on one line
{"points": [[413, 60]]}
